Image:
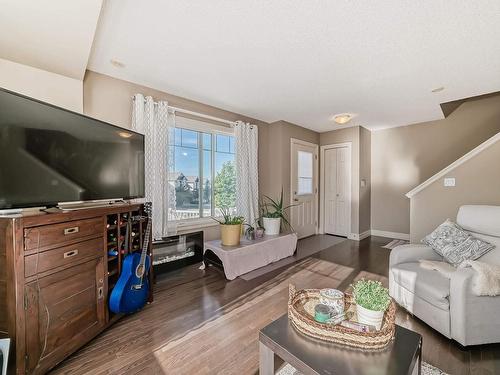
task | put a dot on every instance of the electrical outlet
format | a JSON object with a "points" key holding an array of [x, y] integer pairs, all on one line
{"points": [[449, 181]]}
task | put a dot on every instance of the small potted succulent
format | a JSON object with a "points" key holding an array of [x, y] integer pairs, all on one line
{"points": [[372, 299], [274, 215], [230, 227], [259, 231], [250, 232], [254, 231]]}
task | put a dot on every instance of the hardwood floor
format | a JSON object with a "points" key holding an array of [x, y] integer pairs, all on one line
{"points": [[368, 255], [183, 327]]}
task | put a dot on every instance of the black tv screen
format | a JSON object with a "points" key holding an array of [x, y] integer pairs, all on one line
{"points": [[50, 155]]}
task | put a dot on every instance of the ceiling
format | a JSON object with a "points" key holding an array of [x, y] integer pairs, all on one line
{"points": [[293, 60], [304, 61], [53, 35]]}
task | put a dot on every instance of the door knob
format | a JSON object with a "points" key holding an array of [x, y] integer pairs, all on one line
{"points": [[296, 200]]}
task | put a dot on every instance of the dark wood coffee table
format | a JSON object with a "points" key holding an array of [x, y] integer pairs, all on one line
{"points": [[312, 356]]}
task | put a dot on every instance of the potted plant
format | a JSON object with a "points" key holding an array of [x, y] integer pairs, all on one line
{"points": [[259, 231], [250, 232], [274, 215], [254, 231], [372, 299], [230, 227]]}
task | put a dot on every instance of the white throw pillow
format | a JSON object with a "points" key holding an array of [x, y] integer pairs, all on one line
{"points": [[455, 244]]}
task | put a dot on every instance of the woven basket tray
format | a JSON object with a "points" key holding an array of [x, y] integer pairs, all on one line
{"points": [[301, 313]]}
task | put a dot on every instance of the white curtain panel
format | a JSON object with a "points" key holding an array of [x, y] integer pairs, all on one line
{"points": [[247, 171], [153, 120]]}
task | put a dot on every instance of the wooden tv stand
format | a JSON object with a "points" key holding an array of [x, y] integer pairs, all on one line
{"points": [[56, 277]]}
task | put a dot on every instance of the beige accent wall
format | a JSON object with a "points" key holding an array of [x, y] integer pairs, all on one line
{"points": [[364, 176], [279, 155], [477, 182], [42, 85], [352, 135], [109, 99], [404, 157]]}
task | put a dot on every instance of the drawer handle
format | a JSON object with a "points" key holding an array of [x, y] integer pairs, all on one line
{"points": [[71, 230], [69, 254]]}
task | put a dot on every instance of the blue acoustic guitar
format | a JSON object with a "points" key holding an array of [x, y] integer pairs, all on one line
{"points": [[132, 288]]}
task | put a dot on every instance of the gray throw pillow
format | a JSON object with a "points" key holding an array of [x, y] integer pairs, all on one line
{"points": [[455, 244]]}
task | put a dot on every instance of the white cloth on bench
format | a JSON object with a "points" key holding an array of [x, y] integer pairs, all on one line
{"points": [[252, 254]]}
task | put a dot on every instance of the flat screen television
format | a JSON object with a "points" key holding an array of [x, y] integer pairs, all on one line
{"points": [[50, 155]]}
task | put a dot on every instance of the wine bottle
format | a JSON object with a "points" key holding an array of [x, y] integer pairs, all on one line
{"points": [[112, 221]]}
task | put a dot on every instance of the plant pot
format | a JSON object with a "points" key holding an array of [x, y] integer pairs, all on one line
{"points": [[230, 234], [250, 235], [259, 232], [370, 317], [271, 225]]}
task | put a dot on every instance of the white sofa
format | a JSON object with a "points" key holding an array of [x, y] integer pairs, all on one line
{"points": [[448, 305]]}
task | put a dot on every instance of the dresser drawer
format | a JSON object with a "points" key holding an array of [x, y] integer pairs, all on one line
{"points": [[48, 236], [62, 256]]}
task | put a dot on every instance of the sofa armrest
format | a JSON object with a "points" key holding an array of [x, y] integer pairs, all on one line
{"points": [[412, 253], [473, 319]]}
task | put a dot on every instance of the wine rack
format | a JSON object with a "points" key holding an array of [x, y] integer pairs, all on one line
{"points": [[124, 235]]}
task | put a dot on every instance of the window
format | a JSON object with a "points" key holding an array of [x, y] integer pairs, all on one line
{"points": [[204, 174], [305, 173]]}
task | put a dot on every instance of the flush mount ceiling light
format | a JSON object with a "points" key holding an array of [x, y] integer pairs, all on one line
{"points": [[117, 63], [125, 134], [438, 89], [343, 118]]}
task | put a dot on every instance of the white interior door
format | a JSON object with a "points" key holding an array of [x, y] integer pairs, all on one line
{"points": [[337, 188], [304, 188]]}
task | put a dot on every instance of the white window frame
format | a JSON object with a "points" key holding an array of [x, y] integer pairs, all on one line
{"points": [[202, 127]]}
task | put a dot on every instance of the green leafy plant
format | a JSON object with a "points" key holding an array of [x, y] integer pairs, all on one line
{"points": [[228, 219], [274, 209], [371, 295]]}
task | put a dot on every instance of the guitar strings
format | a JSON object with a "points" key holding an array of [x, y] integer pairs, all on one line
{"points": [[146, 240]]}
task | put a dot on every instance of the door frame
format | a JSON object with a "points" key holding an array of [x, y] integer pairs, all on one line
{"points": [[315, 179], [322, 184]]}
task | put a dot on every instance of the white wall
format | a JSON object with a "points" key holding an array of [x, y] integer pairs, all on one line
{"points": [[42, 85]]}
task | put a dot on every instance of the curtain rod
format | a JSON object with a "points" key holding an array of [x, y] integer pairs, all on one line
{"points": [[197, 114]]}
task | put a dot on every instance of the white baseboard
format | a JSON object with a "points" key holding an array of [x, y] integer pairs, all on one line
{"points": [[395, 235], [365, 234], [359, 236], [380, 233]]}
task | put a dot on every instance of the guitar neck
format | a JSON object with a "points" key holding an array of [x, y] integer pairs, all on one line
{"points": [[147, 235], [146, 243]]}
